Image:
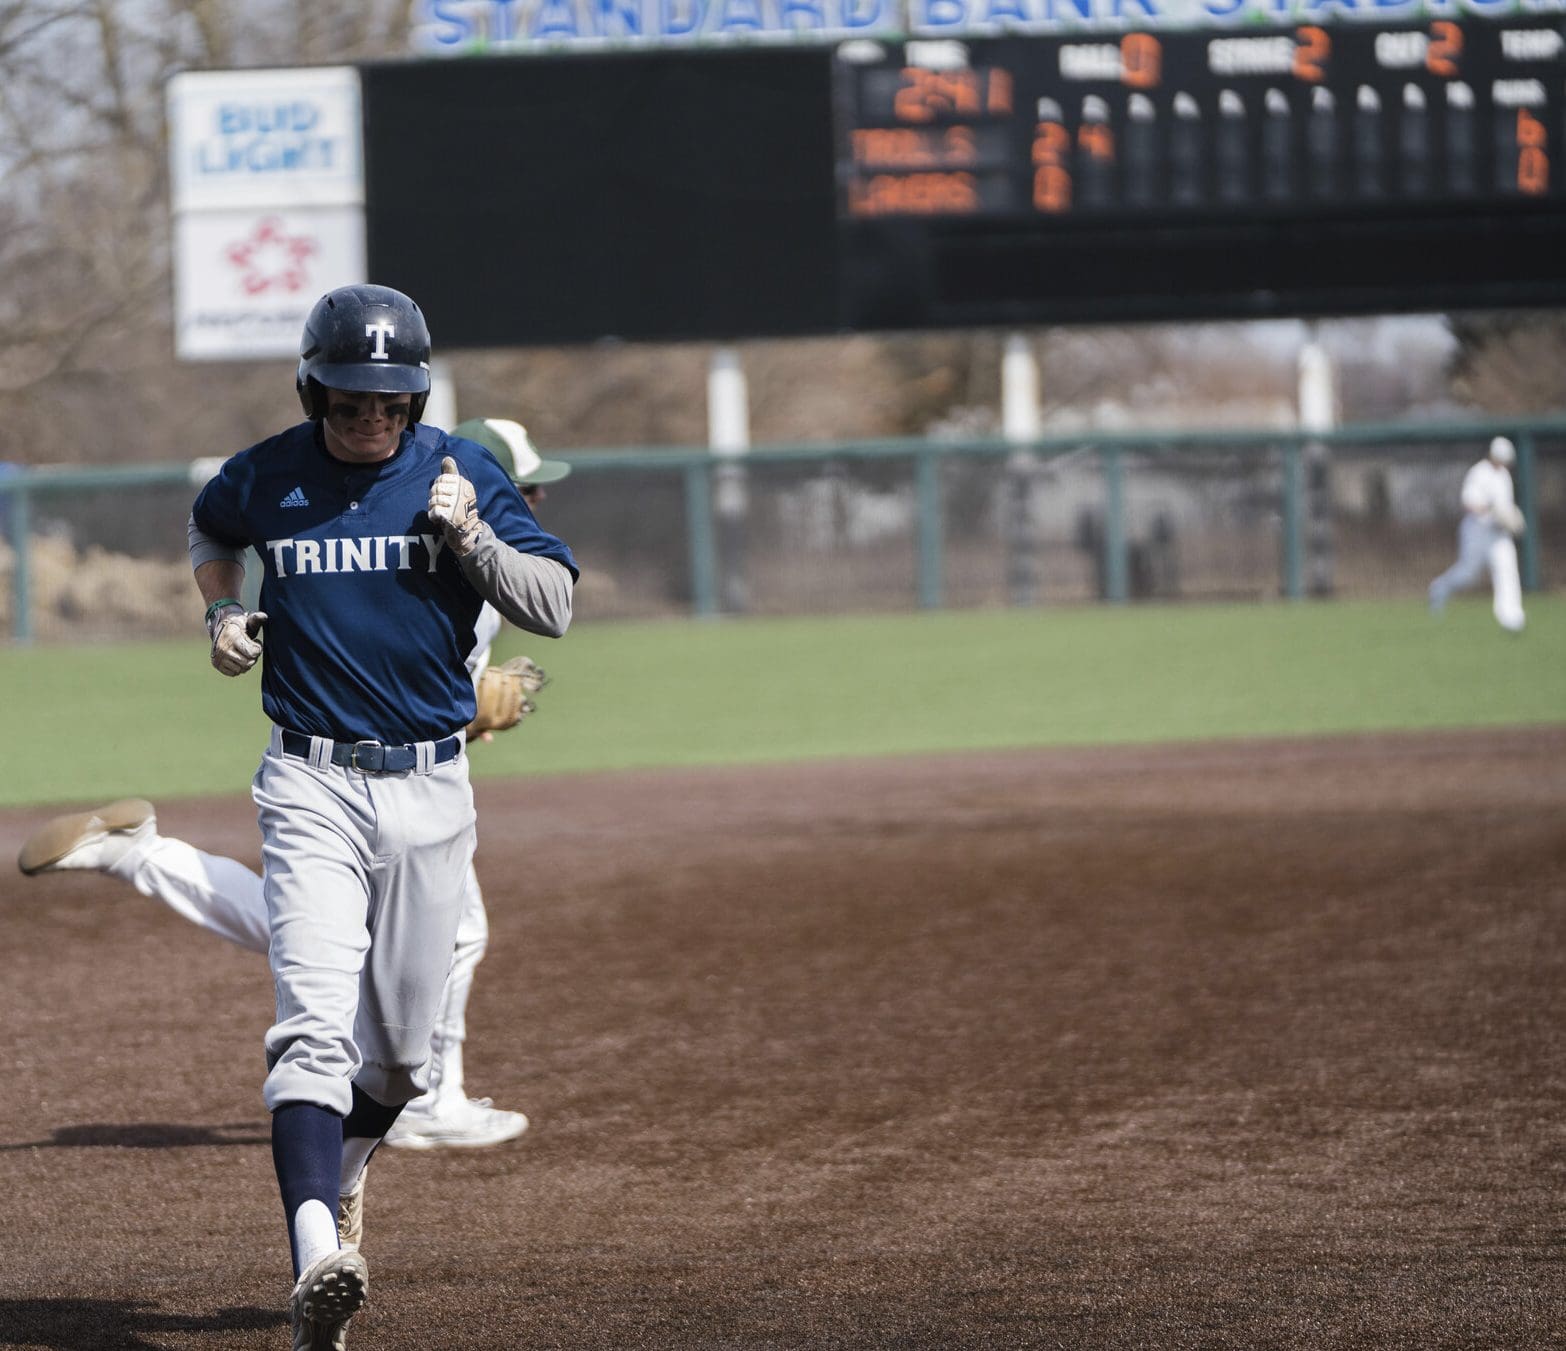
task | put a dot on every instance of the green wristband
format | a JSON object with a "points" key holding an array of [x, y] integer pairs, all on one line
{"points": [[219, 604]]}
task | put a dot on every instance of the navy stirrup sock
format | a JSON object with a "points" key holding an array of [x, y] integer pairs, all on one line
{"points": [[307, 1152], [368, 1118]]}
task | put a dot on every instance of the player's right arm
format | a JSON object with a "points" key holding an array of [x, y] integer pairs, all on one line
{"points": [[235, 633], [215, 536], [219, 579]]}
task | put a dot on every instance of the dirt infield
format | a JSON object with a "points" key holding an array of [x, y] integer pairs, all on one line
{"points": [[1245, 1045]]}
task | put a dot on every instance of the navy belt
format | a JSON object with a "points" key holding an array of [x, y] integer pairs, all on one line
{"points": [[371, 757]]}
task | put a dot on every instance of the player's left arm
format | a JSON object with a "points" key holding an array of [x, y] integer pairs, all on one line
{"points": [[508, 558]]}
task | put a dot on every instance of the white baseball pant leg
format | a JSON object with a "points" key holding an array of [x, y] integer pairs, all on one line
{"points": [[215, 893], [363, 877], [451, 1026], [1473, 554], [1506, 582], [226, 898]]}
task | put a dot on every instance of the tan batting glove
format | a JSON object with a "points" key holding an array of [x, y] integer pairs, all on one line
{"points": [[236, 639], [454, 507]]}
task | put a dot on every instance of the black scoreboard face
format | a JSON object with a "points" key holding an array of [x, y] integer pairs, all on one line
{"points": [[1308, 169], [1353, 168], [1306, 119]]}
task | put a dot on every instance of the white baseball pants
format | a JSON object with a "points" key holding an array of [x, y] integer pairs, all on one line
{"points": [[363, 877], [1483, 547], [224, 897]]}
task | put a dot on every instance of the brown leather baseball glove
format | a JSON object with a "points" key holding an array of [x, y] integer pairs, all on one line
{"points": [[503, 695]]}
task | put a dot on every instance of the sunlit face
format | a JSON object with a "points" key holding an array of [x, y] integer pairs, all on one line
{"points": [[364, 428]]}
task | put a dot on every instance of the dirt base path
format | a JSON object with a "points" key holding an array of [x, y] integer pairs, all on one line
{"points": [[1247, 1045]]}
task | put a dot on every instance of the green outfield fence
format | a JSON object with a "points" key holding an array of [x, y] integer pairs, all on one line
{"points": [[1362, 511]]}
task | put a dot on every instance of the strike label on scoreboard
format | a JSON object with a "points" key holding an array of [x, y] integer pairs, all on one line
{"points": [[1289, 120]]}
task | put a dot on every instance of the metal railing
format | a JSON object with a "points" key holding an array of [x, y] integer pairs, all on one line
{"points": [[707, 554]]}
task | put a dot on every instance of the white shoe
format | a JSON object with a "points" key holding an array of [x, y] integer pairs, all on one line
{"points": [[92, 840], [327, 1294], [459, 1123], [350, 1214]]}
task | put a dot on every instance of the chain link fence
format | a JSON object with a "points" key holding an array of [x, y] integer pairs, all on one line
{"points": [[876, 527]]}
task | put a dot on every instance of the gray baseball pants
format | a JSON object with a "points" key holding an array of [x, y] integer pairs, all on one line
{"points": [[363, 876]]}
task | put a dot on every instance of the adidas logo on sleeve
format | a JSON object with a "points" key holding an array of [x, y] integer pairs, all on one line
{"points": [[295, 499]]}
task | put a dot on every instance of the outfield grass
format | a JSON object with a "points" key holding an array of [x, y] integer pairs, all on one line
{"points": [[88, 723]]}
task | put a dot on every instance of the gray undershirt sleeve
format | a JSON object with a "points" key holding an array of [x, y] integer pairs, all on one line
{"points": [[533, 592], [205, 549]]}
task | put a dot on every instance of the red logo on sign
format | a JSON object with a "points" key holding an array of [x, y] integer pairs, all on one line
{"points": [[272, 259]]}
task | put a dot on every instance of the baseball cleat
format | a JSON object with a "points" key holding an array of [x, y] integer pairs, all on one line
{"points": [[90, 840], [327, 1294], [464, 1123], [350, 1214]]}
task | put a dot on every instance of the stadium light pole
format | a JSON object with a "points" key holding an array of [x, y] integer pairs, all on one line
{"points": [[1318, 413], [728, 435], [1022, 424], [440, 409]]}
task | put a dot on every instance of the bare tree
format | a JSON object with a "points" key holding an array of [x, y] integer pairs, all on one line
{"points": [[86, 345], [86, 351], [1510, 363]]}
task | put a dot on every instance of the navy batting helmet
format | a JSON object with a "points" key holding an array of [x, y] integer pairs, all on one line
{"points": [[367, 338]]}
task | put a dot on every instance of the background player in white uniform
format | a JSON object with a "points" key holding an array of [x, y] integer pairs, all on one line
{"points": [[1486, 538], [225, 897], [380, 541]]}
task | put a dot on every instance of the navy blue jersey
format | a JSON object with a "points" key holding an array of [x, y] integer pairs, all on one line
{"points": [[369, 617]]}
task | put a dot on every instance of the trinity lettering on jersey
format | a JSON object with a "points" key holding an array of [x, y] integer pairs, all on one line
{"points": [[367, 553]]}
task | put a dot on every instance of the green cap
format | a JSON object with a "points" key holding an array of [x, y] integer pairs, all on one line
{"points": [[508, 442]]}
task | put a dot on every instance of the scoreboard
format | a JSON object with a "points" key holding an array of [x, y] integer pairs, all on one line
{"points": [[1347, 169], [1306, 119], [1355, 167]]}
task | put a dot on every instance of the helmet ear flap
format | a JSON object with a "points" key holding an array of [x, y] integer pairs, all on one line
{"points": [[416, 407], [312, 398]]}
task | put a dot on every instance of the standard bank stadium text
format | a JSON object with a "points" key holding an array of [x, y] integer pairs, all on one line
{"points": [[460, 25]]}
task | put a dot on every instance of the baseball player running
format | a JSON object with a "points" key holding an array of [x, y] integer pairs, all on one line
{"points": [[226, 898], [380, 541], [1486, 539]]}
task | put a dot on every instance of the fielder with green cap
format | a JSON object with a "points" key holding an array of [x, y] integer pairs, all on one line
{"points": [[509, 443], [225, 897]]}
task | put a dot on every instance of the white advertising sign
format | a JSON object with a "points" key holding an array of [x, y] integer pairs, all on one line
{"points": [[245, 280], [265, 137]]}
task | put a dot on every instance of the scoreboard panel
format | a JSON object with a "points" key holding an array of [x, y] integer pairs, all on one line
{"points": [[1304, 118], [1318, 169], [1359, 167]]}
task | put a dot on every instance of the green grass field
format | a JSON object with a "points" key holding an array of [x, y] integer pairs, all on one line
{"points": [[88, 723]]}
